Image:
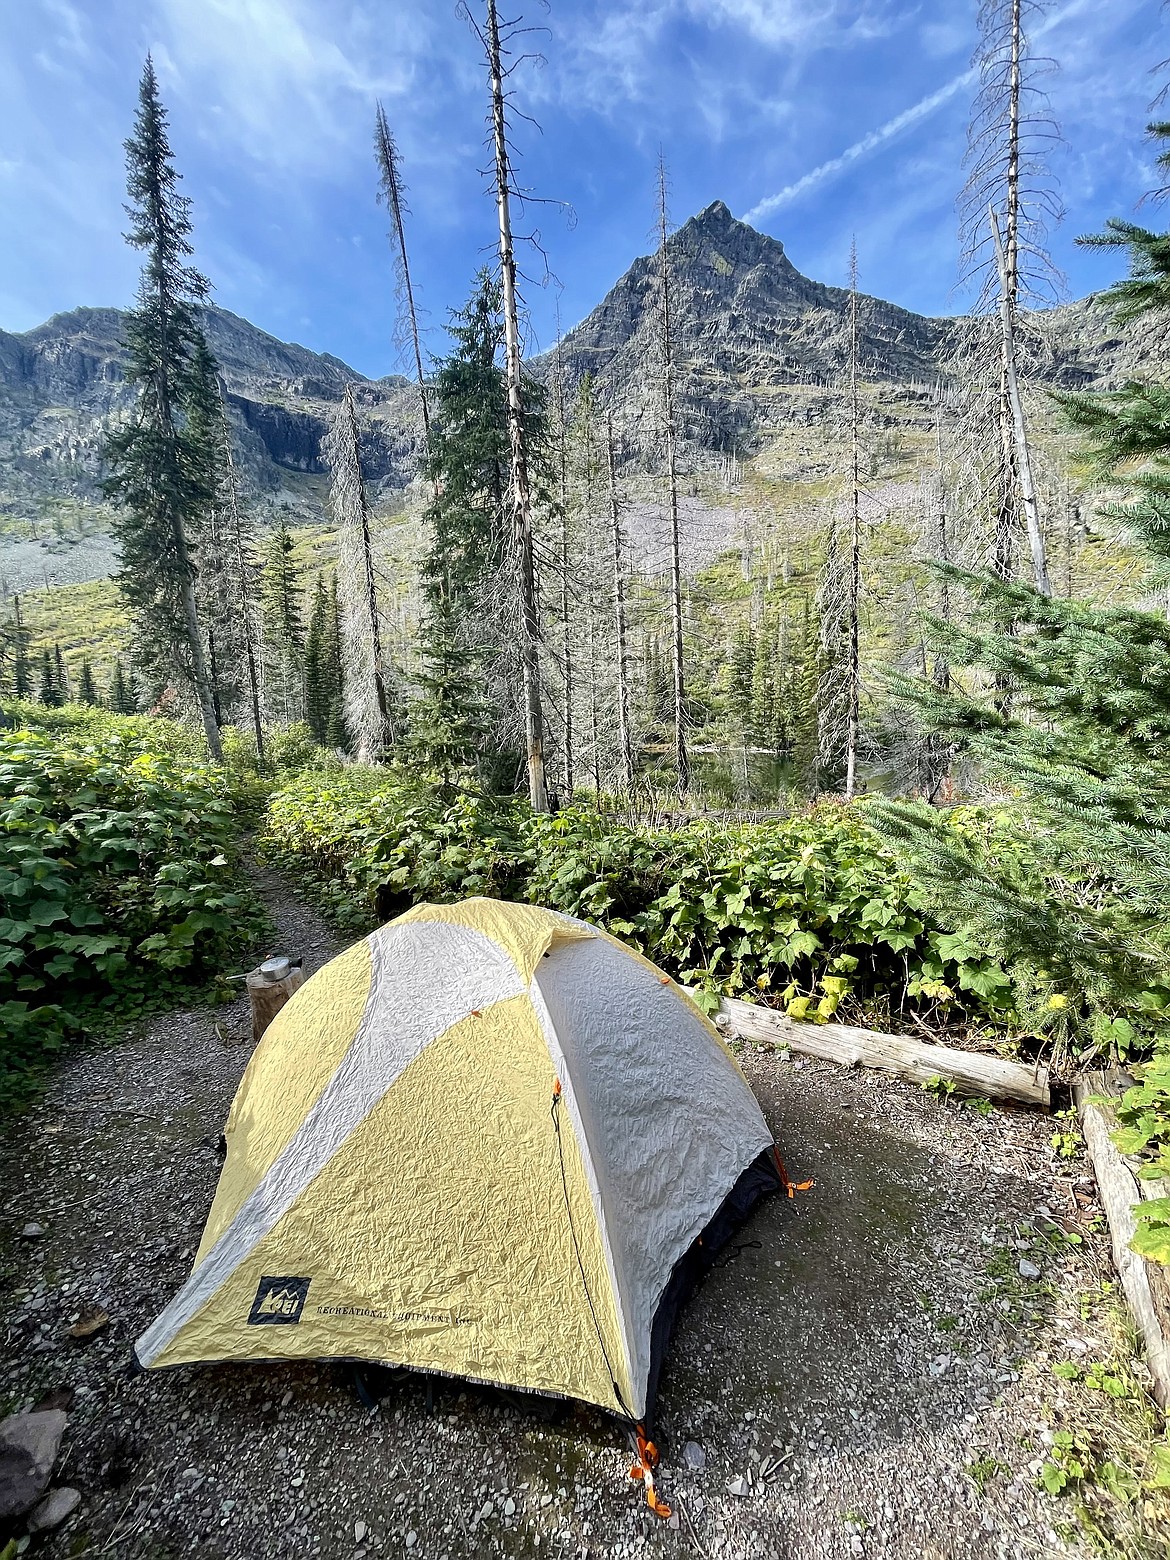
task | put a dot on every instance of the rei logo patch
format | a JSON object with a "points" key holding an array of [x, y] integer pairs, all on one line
{"points": [[279, 1301]]}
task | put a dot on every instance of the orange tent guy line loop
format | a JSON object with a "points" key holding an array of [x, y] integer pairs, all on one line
{"points": [[791, 1187], [643, 1472]]}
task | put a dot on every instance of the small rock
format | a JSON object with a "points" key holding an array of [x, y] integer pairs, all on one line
{"points": [[694, 1457], [359, 1532], [1028, 1269], [33, 1231], [856, 1544], [91, 1320], [52, 1511], [739, 1486], [411, 1539], [673, 1521], [509, 1507]]}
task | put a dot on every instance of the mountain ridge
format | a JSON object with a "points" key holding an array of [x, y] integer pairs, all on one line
{"points": [[759, 347]]}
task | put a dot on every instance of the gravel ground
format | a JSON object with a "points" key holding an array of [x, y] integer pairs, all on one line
{"points": [[858, 1349]]}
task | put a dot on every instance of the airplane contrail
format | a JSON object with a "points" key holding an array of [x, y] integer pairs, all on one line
{"points": [[892, 127], [868, 143]]}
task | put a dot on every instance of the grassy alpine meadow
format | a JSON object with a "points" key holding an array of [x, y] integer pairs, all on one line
{"points": [[120, 881]]}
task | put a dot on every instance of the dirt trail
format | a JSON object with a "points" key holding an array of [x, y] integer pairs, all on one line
{"points": [[872, 1340]]}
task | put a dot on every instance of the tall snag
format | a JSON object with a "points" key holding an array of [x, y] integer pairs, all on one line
{"points": [[565, 602], [619, 612], [243, 577], [853, 708], [520, 494], [666, 350], [367, 710], [392, 191], [1009, 183]]}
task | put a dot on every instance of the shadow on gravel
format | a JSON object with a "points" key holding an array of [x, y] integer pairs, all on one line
{"points": [[846, 1313]]}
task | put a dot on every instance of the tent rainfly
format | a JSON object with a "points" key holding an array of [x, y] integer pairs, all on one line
{"points": [[487, 1140]]}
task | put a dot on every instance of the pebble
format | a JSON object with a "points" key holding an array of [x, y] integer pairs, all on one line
{"points": [[33, 1231], [52, 1511], [509, 1507], [1028, 1269], [359, 1532], [694, 1457], [411, 1539]]}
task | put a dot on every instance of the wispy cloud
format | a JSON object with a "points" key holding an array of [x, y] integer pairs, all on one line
{"points": [[862, 148]]}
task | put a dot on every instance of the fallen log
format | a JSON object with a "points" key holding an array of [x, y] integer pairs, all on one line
{"points": [[970, 1071], [1146, 1284]]}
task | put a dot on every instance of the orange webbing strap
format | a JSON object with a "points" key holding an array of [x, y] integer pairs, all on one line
{"points": [[643, 1471], [791, 1187]]}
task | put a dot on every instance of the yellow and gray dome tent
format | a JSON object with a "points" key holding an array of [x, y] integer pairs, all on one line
{"points": [[487, 1140]]}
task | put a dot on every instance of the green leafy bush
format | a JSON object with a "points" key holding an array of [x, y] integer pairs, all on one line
{"points": [[117, 884], [812, 911]]}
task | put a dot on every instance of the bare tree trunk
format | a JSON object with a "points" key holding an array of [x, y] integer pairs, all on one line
{"points": [[565, 614], [1023, 454], [369, 722], [619, 612], [195, 643], [233, 498], [521, 494], [853, 708], [942, 671], [392, 192], [681, 758]]}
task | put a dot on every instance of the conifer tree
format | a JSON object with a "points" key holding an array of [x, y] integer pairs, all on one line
{"points": [[1084, 744], [324, 682], [469, 562], [121, 699], [448, 722], [21, 669], [156, 475], [280, 588], [468, 457], [49, 692], [61, 676], [86, 687]]}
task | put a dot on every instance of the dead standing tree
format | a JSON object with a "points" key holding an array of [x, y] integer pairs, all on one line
{"points": [[520, 491], [1006, 204], [231, 493], [367, 710], [565, 561], [619, 612], [853, 604], [666, 351], [392, 192]]}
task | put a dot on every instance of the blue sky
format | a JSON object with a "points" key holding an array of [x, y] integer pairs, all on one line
{"points": [[817, 119]]}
